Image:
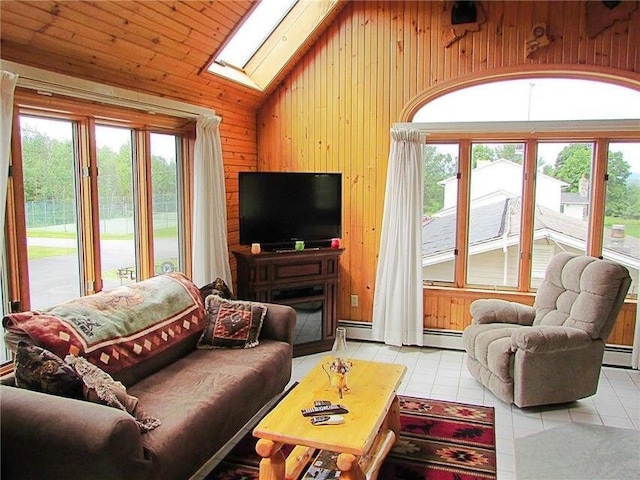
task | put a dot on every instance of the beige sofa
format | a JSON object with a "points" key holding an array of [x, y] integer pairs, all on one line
{"points": [[551, 352], [202, 397]]}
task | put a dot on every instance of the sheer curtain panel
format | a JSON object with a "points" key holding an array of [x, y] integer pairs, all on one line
{"points": [[397, 304], [7, 87], [210, 250]]}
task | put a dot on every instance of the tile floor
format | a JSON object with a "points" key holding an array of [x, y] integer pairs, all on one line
{"points": [[442, 374]]}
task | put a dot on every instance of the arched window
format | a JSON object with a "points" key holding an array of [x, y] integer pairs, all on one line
{"points": [[579, 139], [534, 99]]}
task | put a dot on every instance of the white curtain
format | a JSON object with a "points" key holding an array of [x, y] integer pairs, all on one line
{"points": [[635, 354], [397, 305], [7, 88], [210, 250]]}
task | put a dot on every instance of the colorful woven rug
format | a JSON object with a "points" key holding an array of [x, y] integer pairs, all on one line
{"points": [[438, 440]]}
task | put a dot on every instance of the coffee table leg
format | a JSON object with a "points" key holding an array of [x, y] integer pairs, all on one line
{"points": [[394, 416], [383, 443], [272, 465], [349, 468]]}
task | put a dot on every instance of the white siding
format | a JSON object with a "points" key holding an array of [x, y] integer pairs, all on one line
{"points": [[504, 178]]}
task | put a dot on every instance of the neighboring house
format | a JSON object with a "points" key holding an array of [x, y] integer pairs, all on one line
{"points": [[504, 176], [495, 232], [575, 205]]}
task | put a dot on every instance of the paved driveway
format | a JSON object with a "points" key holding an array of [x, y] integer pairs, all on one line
{"points": [[56, 279]]}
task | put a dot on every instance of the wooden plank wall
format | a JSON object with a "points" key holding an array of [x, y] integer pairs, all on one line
{"points": [[334, 111], [449, 309], [155, 47]]}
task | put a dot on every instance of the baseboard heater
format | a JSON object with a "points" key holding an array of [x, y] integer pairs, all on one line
{"points": [[614, 355]]}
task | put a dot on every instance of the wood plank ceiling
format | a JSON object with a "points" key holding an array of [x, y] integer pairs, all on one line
{"points": [[158, 47]]}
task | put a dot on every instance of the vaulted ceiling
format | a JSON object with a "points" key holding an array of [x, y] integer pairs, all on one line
{"points": [[157, 47]]}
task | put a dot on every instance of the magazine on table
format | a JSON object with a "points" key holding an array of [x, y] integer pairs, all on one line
{"points": [[323, 467]]}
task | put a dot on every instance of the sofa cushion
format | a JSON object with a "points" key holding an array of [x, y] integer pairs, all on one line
{"points": [[231, 323], [38, 369], [117, 330], [226, 387]]}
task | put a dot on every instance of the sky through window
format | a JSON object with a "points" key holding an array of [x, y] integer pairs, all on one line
{"points": [[534, 99], [254, 31]]}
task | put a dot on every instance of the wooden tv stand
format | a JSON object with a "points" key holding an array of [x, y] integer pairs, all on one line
{"points": [[306, 280]]}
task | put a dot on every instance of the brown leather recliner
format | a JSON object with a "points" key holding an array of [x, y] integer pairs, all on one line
{"points": [[551, 352]]}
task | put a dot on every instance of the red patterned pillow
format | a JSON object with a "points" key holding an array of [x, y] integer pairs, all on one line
{"points": [[231, 323]]}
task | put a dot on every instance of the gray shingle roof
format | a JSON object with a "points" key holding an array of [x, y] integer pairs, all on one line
{"points": [[487, 224], [573, 197]]}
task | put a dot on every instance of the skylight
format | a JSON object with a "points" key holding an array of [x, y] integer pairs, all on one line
{"points": [[260, 23], [269, 39]]}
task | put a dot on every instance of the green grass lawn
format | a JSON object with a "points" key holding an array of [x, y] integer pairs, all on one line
{"points": [[159, 233], [58, 234], [41, 252], [49, 234], [35, 252], [631, 227]]}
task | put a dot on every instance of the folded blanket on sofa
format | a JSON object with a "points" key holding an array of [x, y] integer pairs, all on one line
{"points": [[119, 328]]}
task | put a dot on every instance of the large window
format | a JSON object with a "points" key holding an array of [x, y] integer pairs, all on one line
{"points": [[529, 192], [440, 213], [118, 224], [561, 215], [621, 230], [50, 163], [564, 213], [495, 208], [96, 202], [166, 202]]}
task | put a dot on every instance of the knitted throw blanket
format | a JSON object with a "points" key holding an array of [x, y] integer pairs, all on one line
{"points": [[100, 387]]}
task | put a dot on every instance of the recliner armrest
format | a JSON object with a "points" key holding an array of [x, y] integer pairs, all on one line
{"points": [[501, 311], [546, 339]]}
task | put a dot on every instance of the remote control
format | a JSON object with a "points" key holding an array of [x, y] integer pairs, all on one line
{"points": [[323, 410], [321, 403], [327, 420]]}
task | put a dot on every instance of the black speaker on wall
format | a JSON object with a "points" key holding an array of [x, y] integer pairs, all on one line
{"points": [[464, 12]]}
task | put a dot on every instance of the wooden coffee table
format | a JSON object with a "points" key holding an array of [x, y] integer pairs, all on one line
{"points": [[362, 441]]}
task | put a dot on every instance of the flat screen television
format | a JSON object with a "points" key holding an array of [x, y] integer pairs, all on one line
{"points": [[279, 208]]}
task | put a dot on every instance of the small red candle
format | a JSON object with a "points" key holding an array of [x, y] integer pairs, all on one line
{"points": [[335, 243]]}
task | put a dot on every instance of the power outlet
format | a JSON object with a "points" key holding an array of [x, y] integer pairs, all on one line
{"points": [[354, 300]]}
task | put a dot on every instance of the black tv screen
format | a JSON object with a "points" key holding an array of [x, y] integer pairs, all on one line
{"points": [[279, 208]]}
